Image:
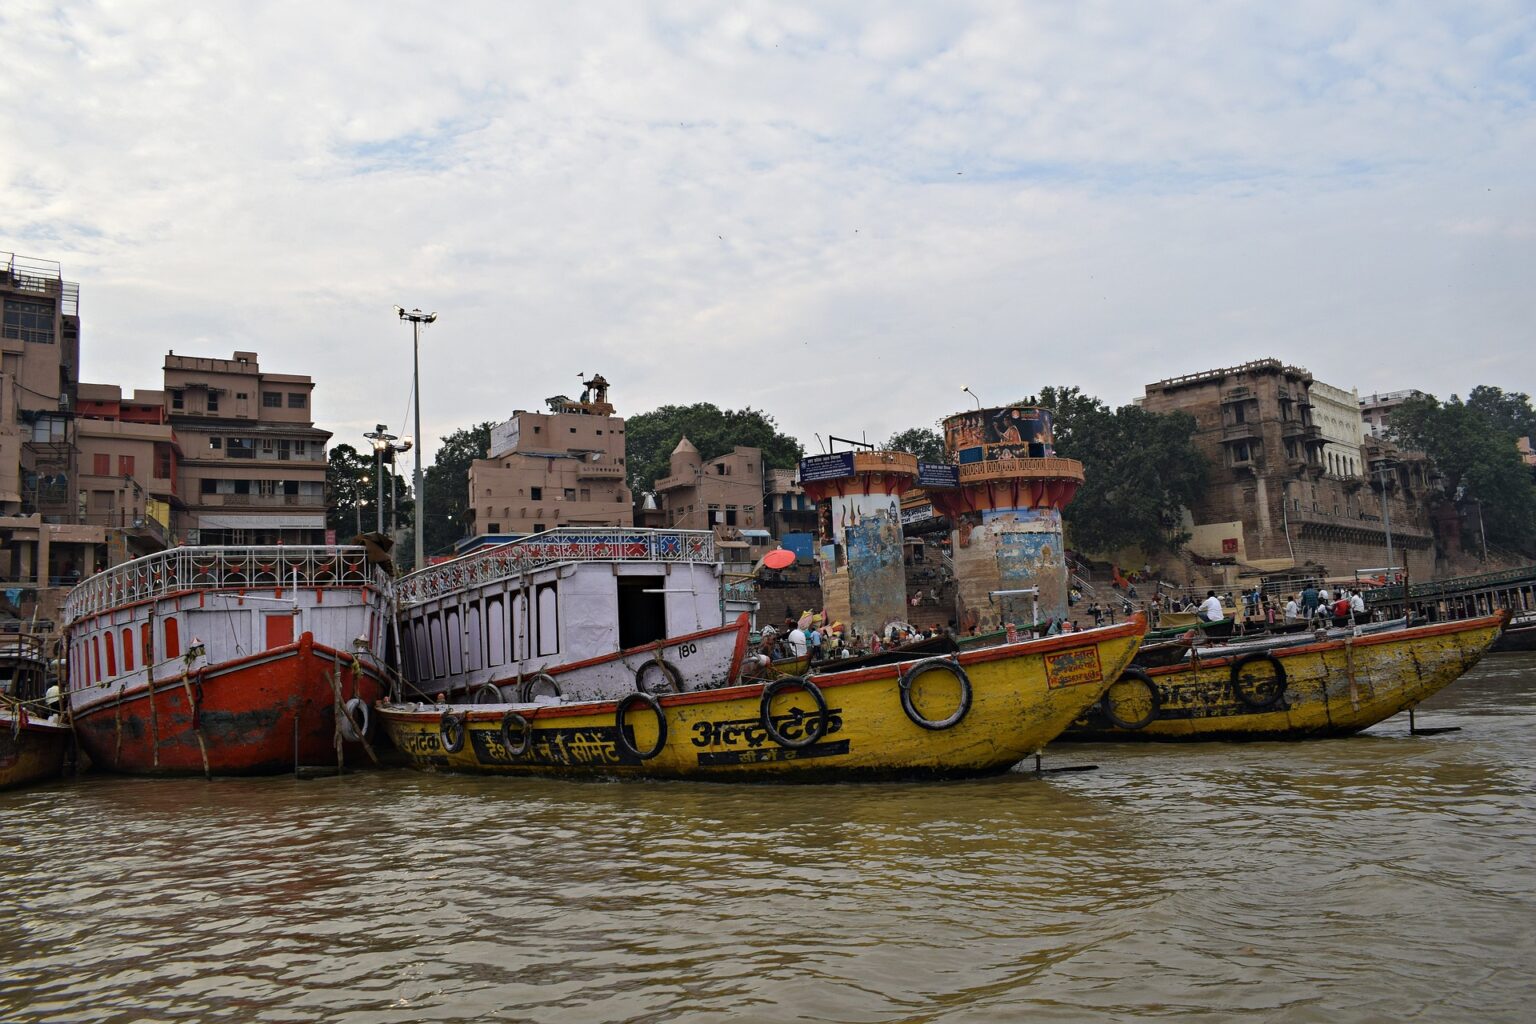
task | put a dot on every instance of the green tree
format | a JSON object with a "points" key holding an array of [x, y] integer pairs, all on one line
{"points": [[924, 442], [1509, 412], [1141, 470], [349, 483], [447, 485], [1473, 447], [651, 436]]}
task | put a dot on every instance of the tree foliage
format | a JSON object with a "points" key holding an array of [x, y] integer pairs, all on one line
{"points": [[651, 436], [924, 442], [353, 492], [447, 486], [1472, 444], [1142, 470]]}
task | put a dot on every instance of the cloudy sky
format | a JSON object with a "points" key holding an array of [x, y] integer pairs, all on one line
{"points": [[837, 213]]}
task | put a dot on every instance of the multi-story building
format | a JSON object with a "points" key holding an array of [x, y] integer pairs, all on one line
{"points": [[252, 466], [129, 461], [548, 470], [1336, 413], [1376, 409], [44, 549], [1274, 502], [786, 509], [724, 494]]}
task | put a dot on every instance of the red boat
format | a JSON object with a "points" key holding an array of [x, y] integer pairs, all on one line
{"points": [[228, 660]]}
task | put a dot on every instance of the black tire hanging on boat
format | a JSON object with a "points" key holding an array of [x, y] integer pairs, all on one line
{"points": [[451, 730], [524, 742], [1154, 701], [1244, 690], [622, 711], [669, 672], [356, 720], [526, 694], [918, 668], [812, 734], [488, 690]]}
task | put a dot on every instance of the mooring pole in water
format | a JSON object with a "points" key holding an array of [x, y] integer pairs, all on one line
{"points": [[1414, 730], [1064, 769], [295, 746]]}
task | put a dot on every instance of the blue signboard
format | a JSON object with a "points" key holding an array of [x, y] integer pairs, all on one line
{"points": [[937, 474], [826, 467]]}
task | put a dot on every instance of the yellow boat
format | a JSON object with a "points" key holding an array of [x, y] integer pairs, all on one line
{"points": [[1289, 689], [974, 713]]}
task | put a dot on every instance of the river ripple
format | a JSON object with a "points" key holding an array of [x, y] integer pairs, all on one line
{"points": [[1380, 878]]}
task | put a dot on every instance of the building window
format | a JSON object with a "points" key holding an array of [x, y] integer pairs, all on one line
{"points": [[297, 400], [125, 465], [162, 464], [242, 487], [29, 321], [536, 493], [730, 515], [266, 488], [213, 401], [101, 465], [210, 486], [569, 493], [271, 400], [586, 494], [301, 447], [493, 527], [178, 400], [538, 527], [241, 395], [215, 443]]}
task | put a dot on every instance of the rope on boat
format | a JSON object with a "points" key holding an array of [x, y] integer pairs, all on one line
{"points": [[154, 719], [197, 714], [336, 738], [341, 710]]}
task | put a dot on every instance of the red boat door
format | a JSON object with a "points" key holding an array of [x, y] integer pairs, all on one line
{"points": [[279, 629]]}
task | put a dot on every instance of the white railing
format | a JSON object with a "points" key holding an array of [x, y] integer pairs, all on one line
{"points": [[221, 568], [568, 544]]}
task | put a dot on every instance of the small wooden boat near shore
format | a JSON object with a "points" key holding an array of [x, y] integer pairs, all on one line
{"points": [[1289, 687], [33, 738], [1519, 635], [972, 713]]}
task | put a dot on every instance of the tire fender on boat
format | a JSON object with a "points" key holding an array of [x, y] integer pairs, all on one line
{"points": [[621, 712], [488, 693], [814, 730], [1154, 701], [544, 679], [1244, 689], [516, 734], [918, 668], [356, 720], [451, 729], [670, 673]]}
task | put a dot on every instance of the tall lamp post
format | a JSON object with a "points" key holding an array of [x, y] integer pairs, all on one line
{"points": [[394, 497], [1382, 469], [381, 438], [416, 318]]}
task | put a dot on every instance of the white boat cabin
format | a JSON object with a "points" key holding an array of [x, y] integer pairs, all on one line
{"points": [[554, 600]]}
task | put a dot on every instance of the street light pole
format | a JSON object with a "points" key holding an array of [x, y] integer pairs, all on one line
{"points": [[417, 318], [1386, 513], [381, 438]]}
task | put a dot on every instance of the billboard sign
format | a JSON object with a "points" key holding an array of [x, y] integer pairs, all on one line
{"points": [[826, 467]]}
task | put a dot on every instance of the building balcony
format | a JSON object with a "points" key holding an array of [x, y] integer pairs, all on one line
{"points": [[1303, 431], [1233, 396], [1240, 432], [588, 470], [262, 501], [1021, 469]]}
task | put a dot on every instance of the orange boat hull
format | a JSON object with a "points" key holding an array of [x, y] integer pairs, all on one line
{"points": [[261, 715]]}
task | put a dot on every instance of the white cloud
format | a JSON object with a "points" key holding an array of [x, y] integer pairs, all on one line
{"points": [[837, 215]]}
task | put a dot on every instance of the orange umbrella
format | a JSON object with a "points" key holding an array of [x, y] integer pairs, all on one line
{"points": [[778, 558]]}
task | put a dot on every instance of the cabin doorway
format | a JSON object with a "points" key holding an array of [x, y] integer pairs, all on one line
{"points": [[642, 610]]}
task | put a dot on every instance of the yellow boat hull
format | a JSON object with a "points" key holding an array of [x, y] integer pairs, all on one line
{"points": [[1329, 688], [1021, 696]]}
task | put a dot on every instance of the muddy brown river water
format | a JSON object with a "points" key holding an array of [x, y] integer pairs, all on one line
{"points": [[1386, 877]]}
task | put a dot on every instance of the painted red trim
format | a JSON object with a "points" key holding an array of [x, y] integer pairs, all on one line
{"points": [[1368, 640], [201, 592], [743, 625]]}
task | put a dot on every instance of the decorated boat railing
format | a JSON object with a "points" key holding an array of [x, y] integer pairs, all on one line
{"points": [[568, 544], [221, 568]]}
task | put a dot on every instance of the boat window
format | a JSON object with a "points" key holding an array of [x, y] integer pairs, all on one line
{"points": [[439, 648], [111, 656], [496, 633], [520, 627], [172, 638], [642, 610], [423, 652], [549, 619], [455, 639], [128, 649], [147, 644], [96, 649], [474, 644]]}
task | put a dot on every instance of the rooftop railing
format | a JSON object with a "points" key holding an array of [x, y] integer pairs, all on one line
{"points": [[600, 544], [221, 568]]}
